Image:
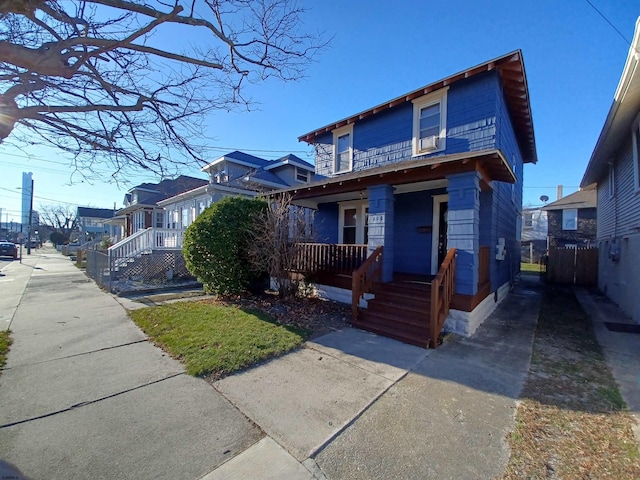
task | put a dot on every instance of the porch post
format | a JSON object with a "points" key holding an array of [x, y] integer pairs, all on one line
{"points": [[381, 226], [464, 228]]}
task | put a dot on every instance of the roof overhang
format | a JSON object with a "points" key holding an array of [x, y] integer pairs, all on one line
{"points": [[625, 107], [224, 158], [289, 162], [490, 164], [510, 67], [133, 208]]}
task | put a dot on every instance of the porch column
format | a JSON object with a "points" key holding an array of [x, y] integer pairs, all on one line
{"points": [[464, 228], [381, 226]]}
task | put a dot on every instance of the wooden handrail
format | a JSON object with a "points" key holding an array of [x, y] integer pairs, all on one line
{"points": [[441, 292], [363, 278]]}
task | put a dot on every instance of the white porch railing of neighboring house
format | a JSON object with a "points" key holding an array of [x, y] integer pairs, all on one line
{"points": [[145, 241]]}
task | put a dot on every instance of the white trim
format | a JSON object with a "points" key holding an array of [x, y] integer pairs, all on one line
{"points": [[302, 170], [439, 96], [435, 230], [232, 160], [337, 133], [566, 211], [635, 141], [361, 210], [309, 168]]}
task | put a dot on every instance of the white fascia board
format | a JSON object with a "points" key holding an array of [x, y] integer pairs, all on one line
{"points": [[230, 160], [289, 162]]}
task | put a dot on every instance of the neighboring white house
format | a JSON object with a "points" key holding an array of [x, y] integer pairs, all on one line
{"points": [[232, 175], [615, 167]]}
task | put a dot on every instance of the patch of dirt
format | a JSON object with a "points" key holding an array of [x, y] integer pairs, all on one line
{"points": [[571, 421], [315, 315]]}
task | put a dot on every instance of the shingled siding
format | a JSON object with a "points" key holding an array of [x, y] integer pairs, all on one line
{"points": [[584, 236], [386, 137]]}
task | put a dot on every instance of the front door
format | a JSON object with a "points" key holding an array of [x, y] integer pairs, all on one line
{"points": [[442, 233], [439, 240]]}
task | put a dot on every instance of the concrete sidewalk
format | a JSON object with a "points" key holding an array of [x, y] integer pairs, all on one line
{"points": [[85, 395]]}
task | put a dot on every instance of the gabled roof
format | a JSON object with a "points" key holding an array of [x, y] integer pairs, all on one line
{"points": [[240, 158], [625, 106], [290, 160], [89, 212], [510, 67], [265, 177], [165, 189], [585, 198]]}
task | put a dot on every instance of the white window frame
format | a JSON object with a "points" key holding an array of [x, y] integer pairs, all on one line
{"points": [[527, 225], [158, 215], [438, 200], [337, 133], [302, 171], [635, 140], [565, 213], [612, 180], [361, 211], [439, 96]]}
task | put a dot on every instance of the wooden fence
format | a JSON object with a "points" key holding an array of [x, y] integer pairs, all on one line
{"points": [[574, 266]]}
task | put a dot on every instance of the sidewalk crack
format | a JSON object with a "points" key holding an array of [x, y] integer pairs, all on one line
{"points": [[88, 402]]}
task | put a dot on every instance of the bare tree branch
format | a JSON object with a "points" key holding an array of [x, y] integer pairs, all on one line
{"points": [[98, 78]]}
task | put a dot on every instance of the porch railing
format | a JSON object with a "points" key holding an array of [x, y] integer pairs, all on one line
{"points": [[328, 258], [364, 277], [133, 245], [441, 292]]}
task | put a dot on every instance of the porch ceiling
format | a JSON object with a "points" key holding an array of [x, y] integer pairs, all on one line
{"points": [[489, 163]]}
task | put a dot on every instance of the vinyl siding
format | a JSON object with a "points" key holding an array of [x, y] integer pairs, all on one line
{"points": [[620, 215]]}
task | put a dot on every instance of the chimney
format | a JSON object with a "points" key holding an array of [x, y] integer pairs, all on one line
{"points": [[559, 195]]}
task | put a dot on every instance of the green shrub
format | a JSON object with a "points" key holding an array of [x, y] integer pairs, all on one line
{"points": [[216, 246]]}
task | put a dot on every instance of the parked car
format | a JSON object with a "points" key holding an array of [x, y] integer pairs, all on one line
{"points": [[8, 249]]}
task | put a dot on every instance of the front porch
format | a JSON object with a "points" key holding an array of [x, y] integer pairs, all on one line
{"points": [[409, 307]]}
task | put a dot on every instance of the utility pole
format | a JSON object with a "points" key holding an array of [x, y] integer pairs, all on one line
{"points": [[30, 218]]}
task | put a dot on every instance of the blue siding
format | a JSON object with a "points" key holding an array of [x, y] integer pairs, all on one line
{"points": [[386, 137], [471, 114], [326, 223], [412, 250]]}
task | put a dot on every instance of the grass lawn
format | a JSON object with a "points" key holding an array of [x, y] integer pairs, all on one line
{"points": [[571, 420], [530, 267], [214, 339], [5, 342]]}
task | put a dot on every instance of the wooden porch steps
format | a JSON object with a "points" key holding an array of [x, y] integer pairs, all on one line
{"points": [[400, 310]]}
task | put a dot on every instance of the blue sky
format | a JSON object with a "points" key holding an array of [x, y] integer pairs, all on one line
{"points": [[382, 49]]}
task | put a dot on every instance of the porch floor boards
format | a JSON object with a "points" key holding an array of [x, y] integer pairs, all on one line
{"points": [[400, 309]]}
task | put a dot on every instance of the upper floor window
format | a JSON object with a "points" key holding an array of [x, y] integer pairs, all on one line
{"points": [[343, 149], [635, 140], [430, 122], [302, 175], [570, 219], [528, 219]]}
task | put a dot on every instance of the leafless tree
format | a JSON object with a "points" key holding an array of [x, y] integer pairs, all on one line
{"points": [[117, 81], [62, 219], [275, 242]]}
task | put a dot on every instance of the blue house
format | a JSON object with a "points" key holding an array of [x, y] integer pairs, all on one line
{"points": [[428, 188]]}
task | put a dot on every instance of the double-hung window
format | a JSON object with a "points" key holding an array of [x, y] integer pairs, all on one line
{"points": [[343, 149], [429, 123], [570, 219]]}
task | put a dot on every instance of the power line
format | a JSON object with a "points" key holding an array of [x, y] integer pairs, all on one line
{"points": [[609, 22]]}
